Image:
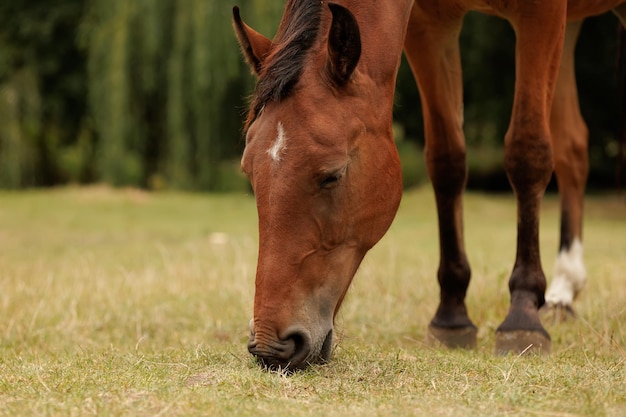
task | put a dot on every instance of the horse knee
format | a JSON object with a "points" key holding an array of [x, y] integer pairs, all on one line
{"points": [[571, 160], [448, 173], [446, 158], [528, 161]]}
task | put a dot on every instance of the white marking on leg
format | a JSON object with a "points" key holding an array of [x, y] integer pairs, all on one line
{"points": [[280, 144], [569, 275]]}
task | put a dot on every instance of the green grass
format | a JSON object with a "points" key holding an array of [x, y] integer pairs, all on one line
{"points": [[126, 303]]}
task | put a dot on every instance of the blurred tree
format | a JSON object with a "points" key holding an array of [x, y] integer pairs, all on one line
{"points": [[42, 90], [120, 143], [159, 75], [151, 93]]}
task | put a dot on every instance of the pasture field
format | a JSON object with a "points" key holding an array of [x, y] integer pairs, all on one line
{"points": [[123, 303]]}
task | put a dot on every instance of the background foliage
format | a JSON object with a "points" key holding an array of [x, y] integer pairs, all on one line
{"points": [[150, 93]]}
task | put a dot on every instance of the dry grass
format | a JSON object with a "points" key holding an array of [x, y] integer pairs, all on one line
{"points": [[126, 303]]}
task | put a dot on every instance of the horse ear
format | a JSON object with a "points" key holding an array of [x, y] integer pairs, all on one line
{"points": [[254, 46], [344, 44]]}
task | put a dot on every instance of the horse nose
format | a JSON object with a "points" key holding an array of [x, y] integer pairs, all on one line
{"points": [[288, 353]]}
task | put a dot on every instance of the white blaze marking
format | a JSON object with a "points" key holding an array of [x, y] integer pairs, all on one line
{"points": [[569, 275], [280, 144]]}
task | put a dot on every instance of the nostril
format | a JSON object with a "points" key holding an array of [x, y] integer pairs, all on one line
{"points": [[301, 344]]}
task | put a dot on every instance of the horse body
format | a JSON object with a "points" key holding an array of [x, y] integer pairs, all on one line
{"points": [[326, 175]]}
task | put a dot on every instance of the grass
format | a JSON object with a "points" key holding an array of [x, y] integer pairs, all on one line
{"points": [[126, 303]]}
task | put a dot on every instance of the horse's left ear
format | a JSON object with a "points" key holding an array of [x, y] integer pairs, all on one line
{"points": [[344, 44], [254, 46]]}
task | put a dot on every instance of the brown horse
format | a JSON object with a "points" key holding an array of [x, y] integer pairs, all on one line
{"points": [[321, 159]]}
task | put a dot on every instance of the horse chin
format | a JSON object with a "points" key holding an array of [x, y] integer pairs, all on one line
{"points": [[327, 347], [321, 350]]}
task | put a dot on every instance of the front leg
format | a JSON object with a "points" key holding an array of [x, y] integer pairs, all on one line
{"points": [[432, 49], [528, 162]]}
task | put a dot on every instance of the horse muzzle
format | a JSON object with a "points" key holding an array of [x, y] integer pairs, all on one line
{"points": [[295, 349]]}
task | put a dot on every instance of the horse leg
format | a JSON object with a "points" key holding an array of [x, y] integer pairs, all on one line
{"points": [[528, 163], [569, 142], [432, 50]]}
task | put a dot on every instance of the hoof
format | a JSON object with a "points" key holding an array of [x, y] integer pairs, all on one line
{"points": [[557, 313], [522, 342], [463, 337]]}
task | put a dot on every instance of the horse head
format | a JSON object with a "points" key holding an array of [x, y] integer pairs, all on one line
{"points": [[321, 160]]}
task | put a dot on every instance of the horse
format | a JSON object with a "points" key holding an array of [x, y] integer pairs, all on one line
{"points": [[325, 172]]}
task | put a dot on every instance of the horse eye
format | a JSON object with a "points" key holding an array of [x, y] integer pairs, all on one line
{"points": [[330, 181]]}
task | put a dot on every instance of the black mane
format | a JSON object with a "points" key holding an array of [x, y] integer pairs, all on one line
{"points": [[296, 35]]}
